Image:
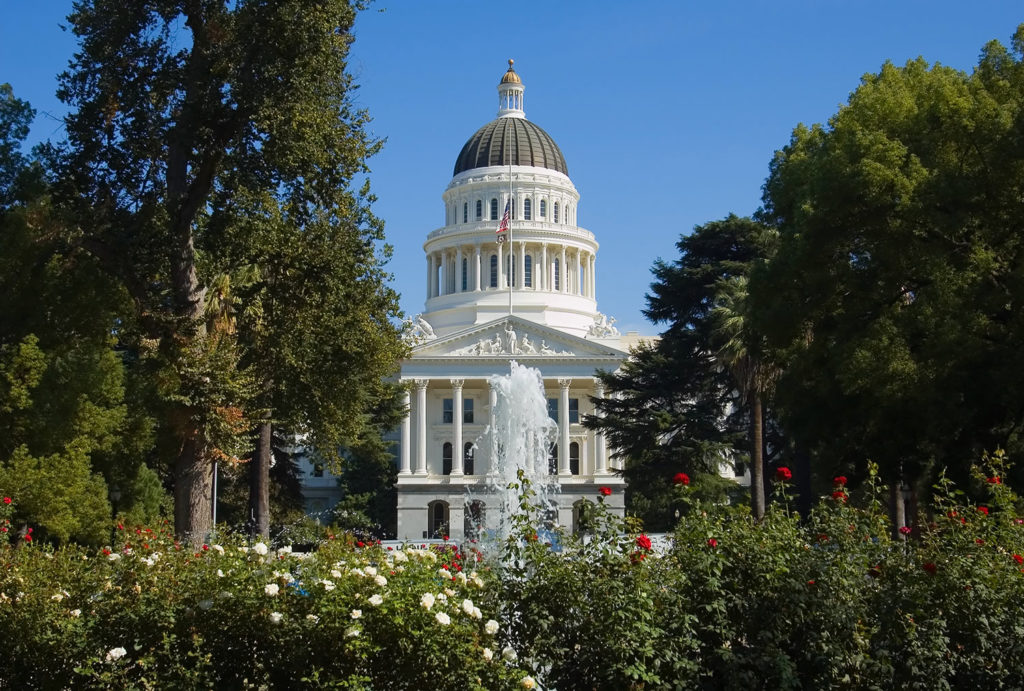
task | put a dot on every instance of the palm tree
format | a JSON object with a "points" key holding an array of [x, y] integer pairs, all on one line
{"points": [[743, 352]]}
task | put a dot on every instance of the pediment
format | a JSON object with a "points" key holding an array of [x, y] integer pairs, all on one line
{"points": [[513, 337]]}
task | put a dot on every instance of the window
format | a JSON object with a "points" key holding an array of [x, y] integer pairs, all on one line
{"points": [[465, 273], [446, 458], [465, 212], [479, 209], [526, 209], [474, 520], [543, 208], [494, 271], [574, 410], [552, 457], [494, 209], [318, 470], [467, 410], [467, 459], [557, 281], [446, 413], [739, 469], [574, 458], [556, 213], [437, 519], [528, 282]]}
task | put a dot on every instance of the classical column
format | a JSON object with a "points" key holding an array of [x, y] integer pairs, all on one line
{"points": [[432, 278], [542, 268], [421, 426], [501, 267], [563, 427], [593, 277], [599, 447], [476, 271], [522, 265], [577, 281], [564, 270], [458, 270], [404, 467], [457, 456]]}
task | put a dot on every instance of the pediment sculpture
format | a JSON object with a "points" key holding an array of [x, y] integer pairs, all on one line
{"points": [[508, 343], [417, 330], [603, 327]]}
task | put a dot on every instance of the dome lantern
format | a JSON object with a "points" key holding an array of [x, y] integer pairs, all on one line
{"points": [[510, 94]]}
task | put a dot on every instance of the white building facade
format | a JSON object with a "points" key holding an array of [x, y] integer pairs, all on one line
{"points": [[529, 294]]}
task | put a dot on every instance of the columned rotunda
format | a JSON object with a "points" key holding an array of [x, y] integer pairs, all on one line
{"points": [[527, 293]]}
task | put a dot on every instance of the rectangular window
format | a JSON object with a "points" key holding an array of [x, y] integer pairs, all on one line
{"points": [[446, 415], [574, 410], [467, 410], [553, 409]]}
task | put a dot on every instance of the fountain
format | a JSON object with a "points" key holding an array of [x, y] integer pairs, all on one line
{"points": [[519, 437]]}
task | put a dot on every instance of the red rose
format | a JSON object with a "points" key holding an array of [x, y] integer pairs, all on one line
{"points": [[7, 500], [994, 480], [783, 474], [712, 542], [839, 495], [681, 479], [28, 538], [983, 510], [905, 530], [643, 542], [979, 541], [604, 491], [206, 548], [875, 571], [951, 514], [930, 567], [840, 481], [1019, 559], [359, 543], [810, 582]]}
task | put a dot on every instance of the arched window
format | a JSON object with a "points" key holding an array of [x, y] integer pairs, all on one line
{"points": [[574, 458], [494, 271], [543, 208], [494, 209], [582, 516], [479, 209], [467, 459], [553, 460], [558, 284], [526, 209], [465, 273], [437, 518], [446, 458], [528, 267], [555, 219], [465, 212]]}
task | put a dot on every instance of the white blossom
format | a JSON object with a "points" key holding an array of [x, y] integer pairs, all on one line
{"points": [[116, 654], [76, 612], [491, 627], [443, 619], [220, 574], [313, 618], [477, 614], [358, 572], [352, 631], [335, 573], [287, 549], [467, 606], [380, 580], [508, 654], [356, 613], [461, 578], [488, 654], [376, 599], [218, 549], [259, 548], [528, 682], [271, 589], [370, 571], [328, 585], [400, 557], [427, 601], [276, 617], [443, 572]]}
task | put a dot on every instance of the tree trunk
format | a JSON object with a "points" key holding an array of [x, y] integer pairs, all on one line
{"points": [[259, 482], [756, 458], [193, 489]]}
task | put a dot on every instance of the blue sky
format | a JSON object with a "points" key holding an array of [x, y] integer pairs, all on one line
{"points": [[668, 113]]}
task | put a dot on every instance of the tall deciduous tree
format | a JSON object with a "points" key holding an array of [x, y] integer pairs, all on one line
{"points": [[209, 138], [899, 281]]}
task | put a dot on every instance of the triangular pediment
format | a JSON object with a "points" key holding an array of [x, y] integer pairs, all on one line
{"points": [[514, 337]]}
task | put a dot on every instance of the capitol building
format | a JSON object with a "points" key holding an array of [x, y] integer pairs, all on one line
{"points": [[527, 293]]}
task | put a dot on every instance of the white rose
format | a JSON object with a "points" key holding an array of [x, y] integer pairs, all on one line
{"points": [[443, 619], [491, 627], [370, 571], [352, 631], [259, 548], [528, 682], [335, 573], [76, 612], [218, 549], [380, 580], [427, 601], [443, 572], [488, 654], [57, 597], [477, 614], [220, 574], [328, 585], [508, 654], [400, 557], [358, 572], [116, 654], [313, 618], [467, 606], [287, 549], [356, 613], [271, 589], [461, 578], [276, 617], [376, 599]]}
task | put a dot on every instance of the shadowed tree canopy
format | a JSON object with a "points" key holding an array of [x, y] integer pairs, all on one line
{"points": [[898, 286], [212, 158]]}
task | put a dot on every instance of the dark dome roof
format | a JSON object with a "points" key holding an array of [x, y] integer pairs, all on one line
{"points": [[530, 146]]}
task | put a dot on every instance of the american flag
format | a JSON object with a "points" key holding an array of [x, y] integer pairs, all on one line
{"points": [[503, 226]]}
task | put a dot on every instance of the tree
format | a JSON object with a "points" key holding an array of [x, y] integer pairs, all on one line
{"points": [[672, 407], [207, 139], [899, 279]]}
